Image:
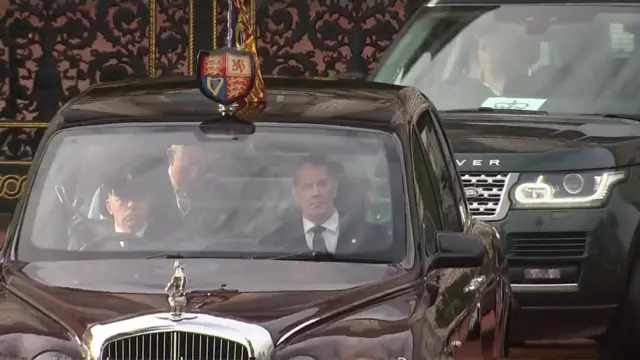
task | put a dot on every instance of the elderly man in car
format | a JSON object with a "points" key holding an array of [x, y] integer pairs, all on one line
{"points": [[123, 203], [128, 201]]}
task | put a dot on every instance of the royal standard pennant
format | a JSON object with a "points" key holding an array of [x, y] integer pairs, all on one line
{"points": [[227, 75], [243, 28]]}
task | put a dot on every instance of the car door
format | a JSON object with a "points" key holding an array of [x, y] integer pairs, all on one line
{"points": [[463, 286], [491, 306], [437, 316], [487, 322]]}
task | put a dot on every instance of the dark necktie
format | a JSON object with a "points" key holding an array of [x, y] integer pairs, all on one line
{"points": [[318, 240]]}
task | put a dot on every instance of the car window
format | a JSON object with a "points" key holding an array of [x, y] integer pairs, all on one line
{"points": [[578, 59], [221, 194], [436, 157], [429, 201], [449, 162]]}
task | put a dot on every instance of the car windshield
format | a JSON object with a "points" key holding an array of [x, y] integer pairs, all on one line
{"points": [[174, 190], [575, 59]]}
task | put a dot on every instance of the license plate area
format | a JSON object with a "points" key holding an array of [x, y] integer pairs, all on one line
{"points": [[542, 274]]}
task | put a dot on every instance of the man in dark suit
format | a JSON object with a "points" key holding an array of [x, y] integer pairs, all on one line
{"points": [[174, 185], [128, 201], [125, 200], [317, 225]]}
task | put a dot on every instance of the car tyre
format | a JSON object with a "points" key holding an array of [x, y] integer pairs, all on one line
{"points": [[610, 346], [620, 341]]}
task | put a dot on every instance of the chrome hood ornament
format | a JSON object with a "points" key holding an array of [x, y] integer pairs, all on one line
{"points": [[177, 295]]}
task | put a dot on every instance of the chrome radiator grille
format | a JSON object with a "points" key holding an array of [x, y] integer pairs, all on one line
{"points": [[491, 191], [174, 345]]}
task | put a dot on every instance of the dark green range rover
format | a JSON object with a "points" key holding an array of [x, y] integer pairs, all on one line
{"points": [[542, 106]]}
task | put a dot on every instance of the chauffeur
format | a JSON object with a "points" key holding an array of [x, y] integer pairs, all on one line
{"points": [[128, 203]]}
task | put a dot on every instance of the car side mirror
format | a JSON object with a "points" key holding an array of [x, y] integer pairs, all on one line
{"points": [[458, 250]]}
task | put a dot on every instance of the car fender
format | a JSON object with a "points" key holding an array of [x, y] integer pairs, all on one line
{"points": [[386, 328], [25, 332]]}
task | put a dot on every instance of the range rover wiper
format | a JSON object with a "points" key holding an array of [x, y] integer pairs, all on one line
{"points": [[490, 110], [632, 117], [324, 257]]}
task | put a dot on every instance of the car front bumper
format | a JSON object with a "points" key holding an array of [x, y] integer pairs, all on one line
{"points": [[592, 249]]}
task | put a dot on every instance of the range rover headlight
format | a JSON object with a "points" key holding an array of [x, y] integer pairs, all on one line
{"points": [[311, 358], [565, 190]]}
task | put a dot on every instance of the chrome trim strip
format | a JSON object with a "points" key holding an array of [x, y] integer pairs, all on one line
{"points": [[255, 338], [529, 288], [293, 331], [505, 203]]}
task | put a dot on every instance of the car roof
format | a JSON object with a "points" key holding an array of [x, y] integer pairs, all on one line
{"points": [[289, 100], [530, 2]]}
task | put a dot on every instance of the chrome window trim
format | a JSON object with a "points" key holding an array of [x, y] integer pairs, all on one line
{"points": [[255, 338]]}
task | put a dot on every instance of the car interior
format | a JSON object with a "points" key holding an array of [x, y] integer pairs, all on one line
{"points": [[577, 57], [252, 188]]}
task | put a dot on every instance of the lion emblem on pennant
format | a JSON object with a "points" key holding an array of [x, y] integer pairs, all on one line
{"points": [[226, 75]]}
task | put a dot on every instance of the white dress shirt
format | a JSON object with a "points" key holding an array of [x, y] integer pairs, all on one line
{"points": [[330, 234], [139, 233]]}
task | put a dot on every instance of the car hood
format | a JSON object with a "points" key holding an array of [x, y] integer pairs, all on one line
{"points": [[489, 142], [278, 295]]}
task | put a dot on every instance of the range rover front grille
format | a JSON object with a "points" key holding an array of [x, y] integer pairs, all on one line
{"points": [[490, 190], [546, 245], [174, 345]]}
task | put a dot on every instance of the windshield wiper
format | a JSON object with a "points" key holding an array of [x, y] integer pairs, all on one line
{"points": [[632, 117], [302, 256], [324, 257], [196, 255], [490, 110], [170, 256]]}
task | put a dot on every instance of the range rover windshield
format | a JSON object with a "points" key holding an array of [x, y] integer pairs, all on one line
{"points": [[577, 59], [174, 191]]}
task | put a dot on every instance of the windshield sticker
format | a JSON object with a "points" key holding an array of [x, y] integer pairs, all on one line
{"points": [[505, 103]]}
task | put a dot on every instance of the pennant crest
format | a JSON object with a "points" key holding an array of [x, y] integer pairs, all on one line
{"points": [[227, 75]]}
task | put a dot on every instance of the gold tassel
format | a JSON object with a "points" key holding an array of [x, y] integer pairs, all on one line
{"points": [[256, 102], [214, 23]]}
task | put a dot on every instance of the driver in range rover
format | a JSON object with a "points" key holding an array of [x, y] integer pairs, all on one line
{"points": [[497, 65]]}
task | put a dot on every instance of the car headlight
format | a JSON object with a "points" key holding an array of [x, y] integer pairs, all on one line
{"points": [[565, 190], [312, 358]]}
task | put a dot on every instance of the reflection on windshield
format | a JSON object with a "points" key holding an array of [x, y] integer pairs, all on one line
{"points": [[172, 190], [555, 58]]}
